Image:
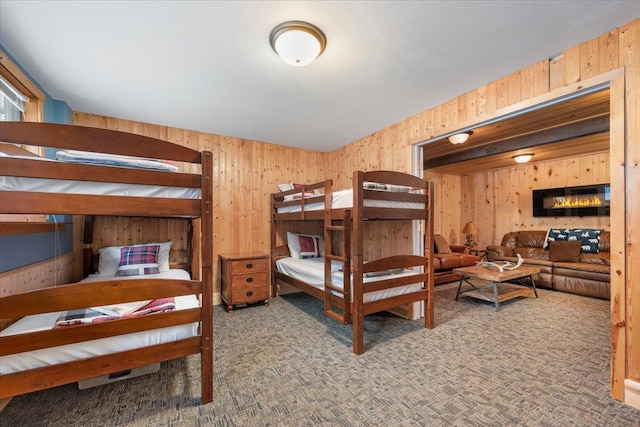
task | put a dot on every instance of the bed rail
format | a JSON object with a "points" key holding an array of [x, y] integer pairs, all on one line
{"points": [[96, 140]]}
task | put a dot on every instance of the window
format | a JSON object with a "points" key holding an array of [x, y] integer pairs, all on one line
{"points": [[20, 100], [11, 102]]}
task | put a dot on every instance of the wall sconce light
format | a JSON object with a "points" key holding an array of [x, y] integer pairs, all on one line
{"points": [[471, 231], [460, 138], [522, 158], [298, 43]]}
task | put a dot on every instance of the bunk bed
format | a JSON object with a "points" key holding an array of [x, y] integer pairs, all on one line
{"points": [[96, 190], [350, 286]]}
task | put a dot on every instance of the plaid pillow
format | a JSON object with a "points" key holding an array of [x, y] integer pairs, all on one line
{"points": [[138, 260]]}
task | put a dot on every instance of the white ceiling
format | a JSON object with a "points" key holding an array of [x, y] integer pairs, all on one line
{"points": [[208, 65]]}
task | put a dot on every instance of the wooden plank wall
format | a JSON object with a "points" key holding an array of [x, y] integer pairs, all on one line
{"points": [[500, 201], [245, 173]]}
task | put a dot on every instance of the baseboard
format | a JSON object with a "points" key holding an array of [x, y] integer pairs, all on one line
{"points": [[632, 393]]}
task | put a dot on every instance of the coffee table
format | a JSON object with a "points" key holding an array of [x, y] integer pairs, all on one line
{"points": [[499, 291]]}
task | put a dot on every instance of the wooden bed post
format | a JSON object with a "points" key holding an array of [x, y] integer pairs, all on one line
{"points": [[206, 355], [274, 258], [358, 254], [429, 316]]}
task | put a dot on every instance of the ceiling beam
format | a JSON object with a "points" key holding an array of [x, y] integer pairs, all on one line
{"points": [[547, 136]]}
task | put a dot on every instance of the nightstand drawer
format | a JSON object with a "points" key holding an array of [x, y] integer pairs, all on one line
{"points": [[250, 287], [247, 266]]}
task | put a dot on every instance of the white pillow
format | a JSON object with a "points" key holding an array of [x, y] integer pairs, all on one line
{"points": [[285, 187], [110, 258], [293, 241]]}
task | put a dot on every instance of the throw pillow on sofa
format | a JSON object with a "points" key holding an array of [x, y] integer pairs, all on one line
{"points": [[441, 244], [565, 251]]}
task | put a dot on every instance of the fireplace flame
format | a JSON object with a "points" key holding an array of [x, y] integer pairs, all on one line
{"points": [[577, 202]]}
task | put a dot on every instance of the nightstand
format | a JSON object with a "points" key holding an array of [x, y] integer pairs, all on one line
{"points": [[244, 278]]}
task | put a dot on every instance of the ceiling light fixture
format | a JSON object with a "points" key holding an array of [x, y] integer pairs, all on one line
{"points": [[459, 138], [298, 43], [522, 158]]}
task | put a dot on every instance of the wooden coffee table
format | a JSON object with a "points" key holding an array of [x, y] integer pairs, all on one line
{"points": [[499, 291]]}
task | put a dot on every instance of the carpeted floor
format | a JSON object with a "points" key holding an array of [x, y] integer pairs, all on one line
{"points": [[536, 362]]}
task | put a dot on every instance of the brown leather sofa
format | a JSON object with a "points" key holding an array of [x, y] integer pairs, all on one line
{"points": [[447, 257], [589, 275]]}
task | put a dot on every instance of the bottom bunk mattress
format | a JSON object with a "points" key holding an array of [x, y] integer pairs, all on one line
{"points": [[82, 350], [311, 272]]}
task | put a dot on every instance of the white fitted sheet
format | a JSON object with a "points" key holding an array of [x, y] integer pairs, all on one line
{"points": [[343, 199], [82, 350], [11, 183], [311, 271]]}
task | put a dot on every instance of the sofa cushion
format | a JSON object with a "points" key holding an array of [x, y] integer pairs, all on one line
{"points": [[442, 246], [531, 239], [450, 261], [532, 253], [580, 269], [564, 251]]}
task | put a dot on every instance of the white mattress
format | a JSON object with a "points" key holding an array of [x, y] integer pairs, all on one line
{"points": [[11, 183], [343, 199], [82, 350], [311, 271]]}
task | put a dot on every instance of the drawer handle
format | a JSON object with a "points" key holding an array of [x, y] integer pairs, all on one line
{"points": [[249, 279], [249, 265], [250, 293]]}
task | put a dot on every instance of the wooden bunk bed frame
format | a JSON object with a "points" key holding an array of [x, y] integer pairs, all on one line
{"points": [[349, 223], [83, 295]]}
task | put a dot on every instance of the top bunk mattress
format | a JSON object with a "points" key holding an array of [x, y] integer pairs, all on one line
{"points": [[311, 272], [62, 186], [343, 199], [43, 185], [82, 350]]}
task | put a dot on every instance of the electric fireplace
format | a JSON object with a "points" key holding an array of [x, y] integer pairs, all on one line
{"points": [[585, 200]]}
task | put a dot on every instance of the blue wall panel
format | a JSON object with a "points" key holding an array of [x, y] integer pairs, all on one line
{"points": [[24, 249]]}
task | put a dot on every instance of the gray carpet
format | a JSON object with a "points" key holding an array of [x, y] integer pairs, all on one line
{"points": [[536, 362]]}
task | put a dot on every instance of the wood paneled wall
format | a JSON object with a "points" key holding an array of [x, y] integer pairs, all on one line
{"points": [[245, 173], [500, 201]]}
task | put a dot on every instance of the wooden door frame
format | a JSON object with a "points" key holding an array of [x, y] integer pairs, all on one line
{"points": [[619, 179]]}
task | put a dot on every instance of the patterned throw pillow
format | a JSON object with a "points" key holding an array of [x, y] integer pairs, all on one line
{"points": [[309, 246], [590, 237], [138, 260], [313, 245]]}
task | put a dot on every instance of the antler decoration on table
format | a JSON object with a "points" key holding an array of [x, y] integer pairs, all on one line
{"points": [[502, 265]]}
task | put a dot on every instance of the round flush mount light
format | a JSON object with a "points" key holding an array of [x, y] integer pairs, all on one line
{"points": [[460, 138], [298, 43], [522, 158]]}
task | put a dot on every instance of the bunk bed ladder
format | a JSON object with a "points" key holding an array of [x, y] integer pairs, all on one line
{"points": [[343, 228]]}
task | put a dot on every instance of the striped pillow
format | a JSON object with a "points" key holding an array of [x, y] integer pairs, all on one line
{"points": [[138, 260]]}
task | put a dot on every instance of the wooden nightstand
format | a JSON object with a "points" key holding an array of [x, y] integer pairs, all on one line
{"points": [[245, 278]]}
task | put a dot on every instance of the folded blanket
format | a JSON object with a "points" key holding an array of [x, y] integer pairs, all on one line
{"points": [[105, 314], [386, 187], [87, 157]]}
